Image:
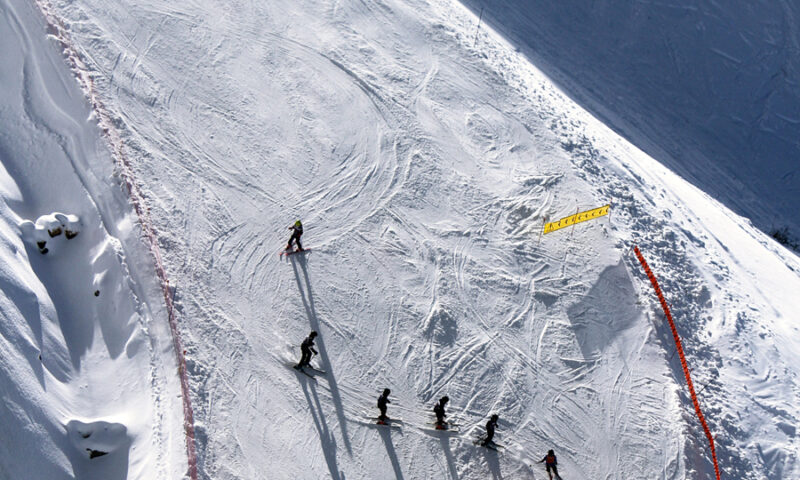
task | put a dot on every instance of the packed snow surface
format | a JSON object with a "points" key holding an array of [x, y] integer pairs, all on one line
{"points": [[423, 157]]}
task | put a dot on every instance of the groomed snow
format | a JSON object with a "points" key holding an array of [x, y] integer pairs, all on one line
{"points": [[422, 163]]}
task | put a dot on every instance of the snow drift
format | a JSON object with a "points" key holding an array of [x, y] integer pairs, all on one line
{"points": [[87, 367]]}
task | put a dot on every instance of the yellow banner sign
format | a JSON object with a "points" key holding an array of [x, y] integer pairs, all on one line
{"points": [[577, 218]]}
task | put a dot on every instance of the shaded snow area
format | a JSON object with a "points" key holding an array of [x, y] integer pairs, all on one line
{"points": [[86, 363], [710, 89], [423, 164]]}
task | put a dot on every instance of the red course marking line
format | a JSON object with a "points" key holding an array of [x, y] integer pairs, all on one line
{"points": [[678, 344]]}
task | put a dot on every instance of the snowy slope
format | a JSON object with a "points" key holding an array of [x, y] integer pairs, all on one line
{"points": [[422, 167], [710, 89], [87, 365]]}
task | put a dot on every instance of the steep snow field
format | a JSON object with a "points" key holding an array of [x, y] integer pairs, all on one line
{"points": [[710, 89], [423, 164], [86, 360]]}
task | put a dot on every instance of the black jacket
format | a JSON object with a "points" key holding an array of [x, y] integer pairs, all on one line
{"points": [[308, 344], [490, 426]]}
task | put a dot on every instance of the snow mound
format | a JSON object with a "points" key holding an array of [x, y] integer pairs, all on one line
{"points": [[101, 449], [98, 438], [48, 227], [87, 368]]}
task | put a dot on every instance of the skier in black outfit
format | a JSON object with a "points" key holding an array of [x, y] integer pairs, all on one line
{"points": [[438, 409], [307, 349], [297, 232], [552, 464], [490, 426], [382, 401]]}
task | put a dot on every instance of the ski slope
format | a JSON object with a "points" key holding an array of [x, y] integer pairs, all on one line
{"points": [[709, 89], [88, 371], [423, 164]]}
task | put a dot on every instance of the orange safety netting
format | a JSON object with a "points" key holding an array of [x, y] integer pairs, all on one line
{"points": [[685, 366]]}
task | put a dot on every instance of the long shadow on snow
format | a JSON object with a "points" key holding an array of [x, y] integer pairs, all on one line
{"points": [[311, 311], [326, 438], [28, 305], [608, 308], [448, 455], [386, 435], [493, 462]]}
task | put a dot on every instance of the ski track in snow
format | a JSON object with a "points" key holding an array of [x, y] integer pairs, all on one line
{"points": [[422, 164]]}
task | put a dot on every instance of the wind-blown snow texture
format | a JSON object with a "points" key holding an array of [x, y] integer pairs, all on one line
{"points": [[711, 89], [423, 167], [86, 365]]}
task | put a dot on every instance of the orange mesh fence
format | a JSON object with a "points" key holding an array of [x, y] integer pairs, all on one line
{"points": [[685, 366]]}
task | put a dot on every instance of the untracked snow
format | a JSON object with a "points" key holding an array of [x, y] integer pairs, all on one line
{"points": [[710, 89], [88, 385], [423, 165]]}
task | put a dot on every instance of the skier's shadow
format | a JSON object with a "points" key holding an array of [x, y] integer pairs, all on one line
{"points": [[308, 302], [493, 462], [448, 454], [386, 435], [325, 436]]}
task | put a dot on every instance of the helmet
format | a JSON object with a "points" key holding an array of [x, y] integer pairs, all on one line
{"points": [[550, 452], [444, 399], [298, 224], [386, 392], [495, 418], [313, 333]]}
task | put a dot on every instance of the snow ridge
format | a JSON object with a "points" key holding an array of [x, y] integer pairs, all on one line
{"points": [[125, 173]]}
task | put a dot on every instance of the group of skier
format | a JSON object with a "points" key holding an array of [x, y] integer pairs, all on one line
{"points": [[307, 350], [549, 460]]}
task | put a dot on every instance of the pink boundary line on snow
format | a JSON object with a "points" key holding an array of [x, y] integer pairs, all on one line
{"points": [[57, 29]]}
